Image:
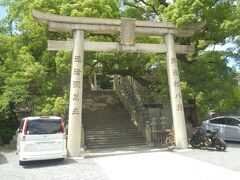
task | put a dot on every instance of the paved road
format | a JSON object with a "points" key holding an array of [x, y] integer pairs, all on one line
{"points": [[130, 164], [229, 159]]}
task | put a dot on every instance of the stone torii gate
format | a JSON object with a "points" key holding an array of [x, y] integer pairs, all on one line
{"points": [[128, 29]]}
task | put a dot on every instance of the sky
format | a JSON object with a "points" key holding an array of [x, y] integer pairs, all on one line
{"points": [[2, 12]]}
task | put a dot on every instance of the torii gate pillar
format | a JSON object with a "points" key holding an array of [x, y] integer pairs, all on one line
{"points": [[75, 100], [175, 94]]}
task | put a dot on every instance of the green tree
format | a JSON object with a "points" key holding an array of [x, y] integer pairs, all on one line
{"points": [[29, 72], [206, 80], [218, 80]]}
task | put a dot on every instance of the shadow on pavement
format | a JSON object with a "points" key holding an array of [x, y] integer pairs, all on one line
{"points": [[209, 149], [233, 144], [3, 159], [47, 163], [98, 153]]}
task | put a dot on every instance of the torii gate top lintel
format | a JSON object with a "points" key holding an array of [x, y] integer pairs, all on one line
{"points": [[67, 23], [126, 27]]}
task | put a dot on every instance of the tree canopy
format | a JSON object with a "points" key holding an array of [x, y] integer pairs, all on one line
{"points": [[30, 74]]}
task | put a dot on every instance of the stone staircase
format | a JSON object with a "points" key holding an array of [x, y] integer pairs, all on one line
{"points": [[106, 122]]}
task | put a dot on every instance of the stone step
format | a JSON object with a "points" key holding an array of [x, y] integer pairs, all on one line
{"points": [[113, 145], [107, 123], [109, 143], [110, 130], [113, 132], [107, 117], [110, 139], [114, 127]]}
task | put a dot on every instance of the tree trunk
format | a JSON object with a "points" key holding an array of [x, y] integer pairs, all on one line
{"points": [[191, 112]]}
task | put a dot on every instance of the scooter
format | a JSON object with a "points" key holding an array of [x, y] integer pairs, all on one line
{"points": [[207, 139]]}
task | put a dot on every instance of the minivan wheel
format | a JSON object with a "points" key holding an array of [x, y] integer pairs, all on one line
{"points": [[21, 163]]}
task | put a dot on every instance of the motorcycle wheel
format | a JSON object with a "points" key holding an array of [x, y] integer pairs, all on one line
{"points": [[194, 143], [220, 145]]}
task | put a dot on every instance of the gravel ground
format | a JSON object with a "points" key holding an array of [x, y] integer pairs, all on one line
{"points": [[84, 169], [129, 164]]}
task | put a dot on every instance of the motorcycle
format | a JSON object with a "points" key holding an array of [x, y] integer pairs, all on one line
{"points": [[208, 139]]}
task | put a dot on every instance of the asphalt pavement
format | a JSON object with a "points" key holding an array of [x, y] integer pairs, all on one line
{"points": [[131, 163]]}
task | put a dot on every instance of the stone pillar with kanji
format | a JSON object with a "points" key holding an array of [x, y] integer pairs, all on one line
{"points": [[75, 100], [175, 94]]}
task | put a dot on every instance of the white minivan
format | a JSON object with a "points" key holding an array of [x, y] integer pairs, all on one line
{"points": [[41, 138]]}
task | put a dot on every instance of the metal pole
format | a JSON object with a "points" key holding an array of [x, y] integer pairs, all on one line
{"points": [[175, 94], [75, 100]]}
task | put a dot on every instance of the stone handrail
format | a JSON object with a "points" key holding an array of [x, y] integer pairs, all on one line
{"points": [[133, 101], [134, 97]]}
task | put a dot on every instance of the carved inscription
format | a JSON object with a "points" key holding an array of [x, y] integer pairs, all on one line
{"points": [[76, 71], [179, 107], [75, 111], [173, 60], [78, 59], [76, 97], [175, 73], [76, 84], [178, 95], [176, 84]]}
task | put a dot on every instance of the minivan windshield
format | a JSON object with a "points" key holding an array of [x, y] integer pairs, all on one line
{"points": [[44, 126]]}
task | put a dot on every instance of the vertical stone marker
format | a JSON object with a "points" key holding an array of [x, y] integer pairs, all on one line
{"points": [[75, 101], [175, 94]]}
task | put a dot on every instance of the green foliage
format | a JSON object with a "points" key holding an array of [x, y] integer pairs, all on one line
{"points": [[144, 9], [184, 12], [62, 61], [104, 82], [214, 85], [205, 76], [221, 18], [52, 106], [8, 127]]}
